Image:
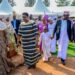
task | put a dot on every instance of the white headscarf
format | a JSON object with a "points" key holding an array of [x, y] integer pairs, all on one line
{"points": [[2, 26]]}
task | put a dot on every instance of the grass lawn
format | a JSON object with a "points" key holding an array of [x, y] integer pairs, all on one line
{"points": [[71, 50]]}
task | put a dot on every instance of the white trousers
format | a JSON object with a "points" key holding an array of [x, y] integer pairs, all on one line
{"points": [[46, 51], [62, 48], [53, 45]]}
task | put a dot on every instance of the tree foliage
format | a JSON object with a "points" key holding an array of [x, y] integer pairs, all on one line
{"points": [[12, 3], [73, 3], [29, 3], [46, 2], [63, 2]]}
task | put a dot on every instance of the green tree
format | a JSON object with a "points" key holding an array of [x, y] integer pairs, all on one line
{"points": [[12, 3], [73, 3], [63, 2], [0, 1], [29, 3], [46, 2]]}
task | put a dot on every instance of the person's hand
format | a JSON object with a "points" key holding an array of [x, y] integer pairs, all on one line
{"points": [[18, 43], [51, 37], [38, 43]]}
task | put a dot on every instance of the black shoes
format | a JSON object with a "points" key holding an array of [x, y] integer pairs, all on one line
{"points": [[63, 61], [32, 67]]}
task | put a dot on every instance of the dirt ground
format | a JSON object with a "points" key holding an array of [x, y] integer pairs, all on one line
{"points": [[49, 68]]}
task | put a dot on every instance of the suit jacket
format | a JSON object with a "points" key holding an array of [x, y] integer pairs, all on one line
{"points": [[17, 25], [73, 32], [57, 29]]}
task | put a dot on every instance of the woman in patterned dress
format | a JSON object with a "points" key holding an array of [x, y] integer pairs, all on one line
{"points": [[28, 33], [41, 26], [4, 68]]}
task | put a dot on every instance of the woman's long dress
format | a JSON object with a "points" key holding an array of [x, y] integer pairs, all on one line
{"points": [[40, 29], [3, 63], [28, 31], [45, 38]]}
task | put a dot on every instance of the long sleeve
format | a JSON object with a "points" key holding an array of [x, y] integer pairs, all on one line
{"points": [[12, 29], [69, 30], [6, 36], [55, 29], [72, 33], [19, 31], [35, 29], [40, 39]]}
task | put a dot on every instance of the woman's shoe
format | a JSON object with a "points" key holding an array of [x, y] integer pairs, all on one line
{"points": [[34, 66], [29, 67]]}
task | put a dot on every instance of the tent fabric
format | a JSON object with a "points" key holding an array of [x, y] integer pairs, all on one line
{"points": [[5, 8], [39, 8]]}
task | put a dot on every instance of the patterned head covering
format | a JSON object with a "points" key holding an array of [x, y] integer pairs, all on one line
{"points": [[45, 17]]}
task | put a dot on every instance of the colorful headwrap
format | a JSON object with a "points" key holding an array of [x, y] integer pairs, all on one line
{"points": [[45, 17]]}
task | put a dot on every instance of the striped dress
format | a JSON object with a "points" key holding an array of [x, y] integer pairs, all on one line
{"points": [[28, 31]]}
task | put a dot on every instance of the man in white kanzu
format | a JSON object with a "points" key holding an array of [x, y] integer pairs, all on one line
{"points": [[51, 26], [63, 33]]}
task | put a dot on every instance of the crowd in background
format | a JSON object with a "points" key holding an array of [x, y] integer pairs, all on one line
{"points": [[43, 32]]}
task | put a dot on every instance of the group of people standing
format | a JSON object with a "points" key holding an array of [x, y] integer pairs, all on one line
{"points": [[26, 33], [56, 32]]}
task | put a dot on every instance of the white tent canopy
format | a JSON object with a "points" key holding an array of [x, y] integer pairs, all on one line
{"points": [[19, 8], [62, 9], [59, 10], [39, 8], [5, 8]]}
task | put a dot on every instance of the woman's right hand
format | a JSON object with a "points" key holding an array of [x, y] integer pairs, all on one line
{"points": [[18, 43]]}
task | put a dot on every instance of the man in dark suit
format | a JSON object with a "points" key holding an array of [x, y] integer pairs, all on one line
{"points": [[73, 30], [15, 23], [63, 34]]}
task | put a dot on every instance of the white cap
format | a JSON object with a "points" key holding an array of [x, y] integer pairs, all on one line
{"points": [[50, 18]]}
